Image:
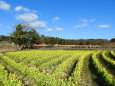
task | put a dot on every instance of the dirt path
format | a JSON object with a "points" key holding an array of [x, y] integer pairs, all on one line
{"points": [[98, 81], [86, 78]]}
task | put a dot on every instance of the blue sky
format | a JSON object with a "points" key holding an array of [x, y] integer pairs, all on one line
{"points": [[70, 19]]}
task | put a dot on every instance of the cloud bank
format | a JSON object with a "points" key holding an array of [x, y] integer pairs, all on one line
{"points": [[32, 20], [4, 6], [104, 26], [21, 8]]}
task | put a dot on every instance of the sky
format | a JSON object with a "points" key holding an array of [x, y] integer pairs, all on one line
{"points": [[68, 19]]}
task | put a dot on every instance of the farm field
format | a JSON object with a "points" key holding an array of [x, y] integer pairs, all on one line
{"points": [[57, 68]]}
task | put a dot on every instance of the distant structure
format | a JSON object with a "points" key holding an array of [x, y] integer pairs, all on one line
{"points": [[12, 43], [90, 46]]}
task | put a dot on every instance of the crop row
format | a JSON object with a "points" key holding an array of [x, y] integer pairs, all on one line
{"points": [[54, 62], [108, 60], [8, 79], [101, 71], [33, 58], [30, 72], [75, 78], [113, 54], [64, 68], [48, 58], [66, 60]]}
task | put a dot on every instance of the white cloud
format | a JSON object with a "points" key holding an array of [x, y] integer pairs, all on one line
{"points": [[38, 24], [27, 17], [31, 20], [92, 20], [59, 29], [81, 25], [49, 30], [21, 8], [104, 26], [4, 6], [56, 29], [56, 19], [84, 20]]}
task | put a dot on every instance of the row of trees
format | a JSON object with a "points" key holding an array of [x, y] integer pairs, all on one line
{"points": [[4, 38], [55, 40], [37, 39], [26, 37], [112, 40]]}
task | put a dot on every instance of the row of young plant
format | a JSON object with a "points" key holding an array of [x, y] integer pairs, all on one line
{"points": [[48, 80], [23, 56], [8, 79], [113, 54], [34, 73], [40, 78], [33, 58], [48, 58], [20, 56], [108, 59], [75, 78], [63, 69], [54, 62], [101, 71]]}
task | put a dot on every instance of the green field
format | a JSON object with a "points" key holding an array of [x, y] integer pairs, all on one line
{"points": [[57, 68]]}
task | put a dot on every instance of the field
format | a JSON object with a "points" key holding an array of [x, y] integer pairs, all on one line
{"points": [[5, 46], [57, 68]]}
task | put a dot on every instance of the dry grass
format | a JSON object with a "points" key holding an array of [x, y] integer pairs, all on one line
{"points": [[4, 47], [110, 45]]}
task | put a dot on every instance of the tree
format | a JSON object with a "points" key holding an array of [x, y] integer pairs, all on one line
{"points": [[24, 37], [18, 36], [32, 37], [42, 39], [112, 40]]}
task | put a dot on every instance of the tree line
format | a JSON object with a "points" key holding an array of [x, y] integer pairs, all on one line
{"points": [[26, 37]]}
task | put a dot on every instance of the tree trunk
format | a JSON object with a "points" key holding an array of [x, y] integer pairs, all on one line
{"points": [[19, 48]]}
